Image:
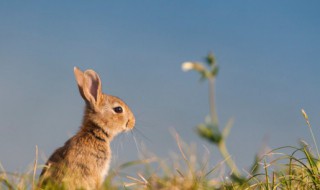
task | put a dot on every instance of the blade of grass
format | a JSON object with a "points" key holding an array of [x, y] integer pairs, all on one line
{"points": [[35, 169], [266, 175], [6, 183], [304, 114]]}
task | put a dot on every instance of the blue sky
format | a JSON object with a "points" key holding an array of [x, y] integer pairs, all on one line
{"points": [[267, 53]]}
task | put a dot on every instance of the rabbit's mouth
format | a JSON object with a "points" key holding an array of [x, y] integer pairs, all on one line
{"points": [[129, 125]]}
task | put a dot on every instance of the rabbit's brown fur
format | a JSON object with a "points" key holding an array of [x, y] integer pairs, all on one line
{"points": [[83, 161]]}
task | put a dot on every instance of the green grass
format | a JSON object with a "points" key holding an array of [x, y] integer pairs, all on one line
{"points": [[298, 169], [275, 170]]}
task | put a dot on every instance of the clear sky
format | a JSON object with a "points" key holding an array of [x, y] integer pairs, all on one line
{"points": [[268, 53]]}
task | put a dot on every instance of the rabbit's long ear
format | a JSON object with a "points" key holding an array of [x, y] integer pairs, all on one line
{"points": [[92, 87], [80, 80], [89, 85]]}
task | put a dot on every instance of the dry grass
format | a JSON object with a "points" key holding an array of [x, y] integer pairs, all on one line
{"points": [[189, 171]]}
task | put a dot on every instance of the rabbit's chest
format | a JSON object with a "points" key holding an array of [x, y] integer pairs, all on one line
{"points": [[103, 160], [105, 169]]}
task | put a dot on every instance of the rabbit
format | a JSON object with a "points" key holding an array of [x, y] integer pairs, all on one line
{"points": [[83, 162]]}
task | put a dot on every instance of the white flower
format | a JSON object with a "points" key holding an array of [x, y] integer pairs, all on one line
{"points": [[187, 66]]}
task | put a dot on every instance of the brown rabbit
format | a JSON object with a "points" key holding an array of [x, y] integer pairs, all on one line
{"points": [[83, 162]]}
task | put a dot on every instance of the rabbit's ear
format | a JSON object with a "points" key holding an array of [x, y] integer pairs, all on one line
{"points": [[92, 90], [89, 85], [80, 80]]}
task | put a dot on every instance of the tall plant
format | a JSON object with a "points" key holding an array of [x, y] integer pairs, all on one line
{"points": [[210, 129]]}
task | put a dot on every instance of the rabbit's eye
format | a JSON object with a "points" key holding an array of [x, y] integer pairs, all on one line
{"points": [[118, 109]]}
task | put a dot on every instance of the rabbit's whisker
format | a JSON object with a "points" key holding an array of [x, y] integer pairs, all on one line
{"points": [[141, 133], [136, 143]]}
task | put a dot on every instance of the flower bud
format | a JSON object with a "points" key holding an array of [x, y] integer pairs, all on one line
{"points": [[304, 114]]}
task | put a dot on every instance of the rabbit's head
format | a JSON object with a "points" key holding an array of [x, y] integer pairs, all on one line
{"points": [[108, 112]]}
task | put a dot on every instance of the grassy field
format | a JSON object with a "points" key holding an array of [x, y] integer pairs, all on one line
{"points": [[273, 170], [291, 167]]}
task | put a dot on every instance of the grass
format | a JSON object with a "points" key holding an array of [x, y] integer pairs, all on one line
{"points": [[298, 169]]}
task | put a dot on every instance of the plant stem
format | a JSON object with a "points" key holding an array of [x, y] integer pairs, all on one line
{"points": [[314, 139], [225, 154], [214, 117]]}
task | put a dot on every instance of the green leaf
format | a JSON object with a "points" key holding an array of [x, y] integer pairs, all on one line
{"points": [[215, 71], [210, 132], [211, 60], [238, 179], [204, 131]]}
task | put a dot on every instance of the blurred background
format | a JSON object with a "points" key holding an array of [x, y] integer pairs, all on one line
{"points": [[268, 54]]}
